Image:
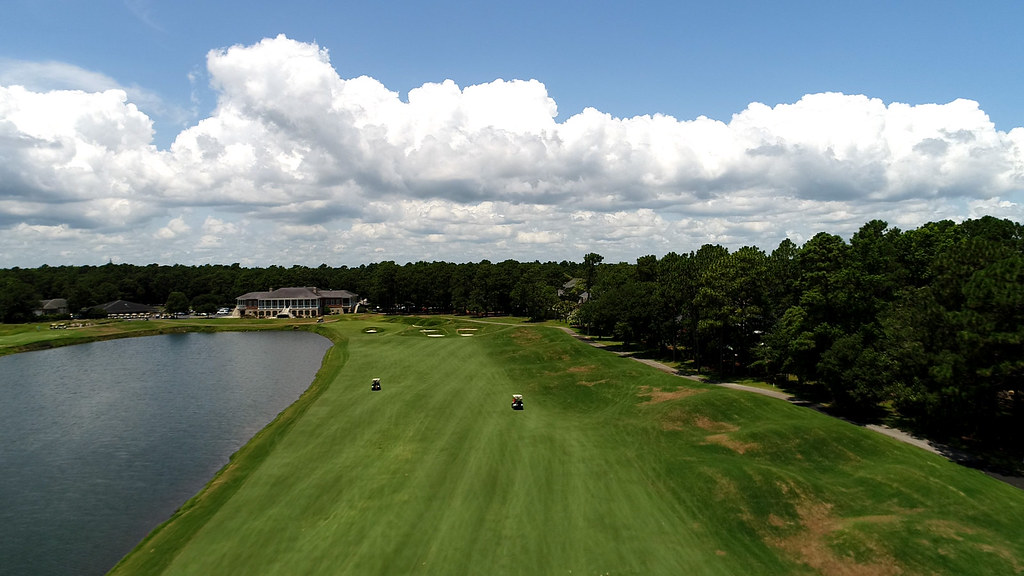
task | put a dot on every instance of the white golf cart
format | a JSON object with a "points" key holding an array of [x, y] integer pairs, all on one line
{"points": [[517, 401]]}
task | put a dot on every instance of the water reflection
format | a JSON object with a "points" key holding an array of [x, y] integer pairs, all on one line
{"points": [[101, 442]]}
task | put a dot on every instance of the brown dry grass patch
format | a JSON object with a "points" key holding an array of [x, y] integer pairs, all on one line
{"points": [[948, 529], [525, 336], [581, 369], [809, 544], [721, 434], [725, 488], [730, 443], [675, 420], [705, 423], [681, 418], [1005, 554], [952, 530], [657, 395]]}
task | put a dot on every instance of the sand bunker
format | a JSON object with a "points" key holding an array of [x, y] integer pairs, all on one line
{"points": [[435, 335]]}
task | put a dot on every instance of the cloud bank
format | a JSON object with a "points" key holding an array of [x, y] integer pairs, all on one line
{"points": [[297, 165]]}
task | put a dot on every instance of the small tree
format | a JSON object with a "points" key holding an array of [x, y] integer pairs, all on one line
{"points": [[207, 303], [177, 303]]}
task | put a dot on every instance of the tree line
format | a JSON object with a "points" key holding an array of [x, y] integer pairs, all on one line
{"points": [[509, 287], [925, 323]]}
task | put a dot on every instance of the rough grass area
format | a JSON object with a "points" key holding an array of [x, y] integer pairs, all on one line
{"points": [[612, 468]]}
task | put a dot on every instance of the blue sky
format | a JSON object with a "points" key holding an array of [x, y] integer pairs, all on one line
{"points": [[804, 79], [682, 59]]}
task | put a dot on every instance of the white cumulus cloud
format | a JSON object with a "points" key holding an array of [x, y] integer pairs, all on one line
{"points": [[296, 163], [174, 229]]}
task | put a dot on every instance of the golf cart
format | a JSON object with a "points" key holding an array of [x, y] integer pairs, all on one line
{"points": [[376, 384], [517, 401]]}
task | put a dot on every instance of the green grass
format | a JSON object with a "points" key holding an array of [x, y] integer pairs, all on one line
{"points": [[613, 468], [36, 336]]}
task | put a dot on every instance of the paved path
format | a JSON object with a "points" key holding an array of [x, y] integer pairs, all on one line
{"points": [[895, 433]]}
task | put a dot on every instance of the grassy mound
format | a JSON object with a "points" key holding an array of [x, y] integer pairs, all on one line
{"points": [[613, 467]]}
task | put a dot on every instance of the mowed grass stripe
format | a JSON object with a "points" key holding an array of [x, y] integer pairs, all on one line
{"points": [[612, 468], [435, 471]]}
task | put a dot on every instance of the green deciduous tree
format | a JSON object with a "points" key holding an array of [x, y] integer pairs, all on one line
{"points": [[177, 303]]}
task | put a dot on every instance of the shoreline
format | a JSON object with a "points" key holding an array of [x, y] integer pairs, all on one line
{"points": [[39, 339], [194, 512], [174, 532]]}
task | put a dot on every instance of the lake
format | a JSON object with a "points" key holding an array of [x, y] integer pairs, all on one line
{"points": [[101, 442]]}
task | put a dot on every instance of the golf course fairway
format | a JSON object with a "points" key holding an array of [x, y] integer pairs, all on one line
{"points": [[612, 468]]}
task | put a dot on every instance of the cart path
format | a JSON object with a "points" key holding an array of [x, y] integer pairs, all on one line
{"points": [[934, 447]]}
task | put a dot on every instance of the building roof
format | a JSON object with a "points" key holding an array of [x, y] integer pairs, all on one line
{"points": [[125, 307], [302, 292], [280, 294], [53, 304], [337, 294], [296, 292]]}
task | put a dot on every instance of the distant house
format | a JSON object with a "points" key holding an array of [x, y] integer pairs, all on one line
{"points": [[125, 309], [53, 307], [295, 302], [573, 290]]}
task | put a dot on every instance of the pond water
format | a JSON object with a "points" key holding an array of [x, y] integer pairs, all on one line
{"points": [[101, 442]]}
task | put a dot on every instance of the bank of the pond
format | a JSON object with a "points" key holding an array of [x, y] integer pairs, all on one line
{"points": [[17, 338], [154, 553], [39, 339]]}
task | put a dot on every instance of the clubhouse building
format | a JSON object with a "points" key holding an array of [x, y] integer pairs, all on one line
{"points": [[305, 302]]}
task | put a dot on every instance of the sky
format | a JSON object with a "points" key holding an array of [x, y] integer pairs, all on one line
{"points": [[344, 133]]}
